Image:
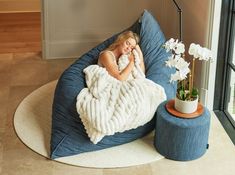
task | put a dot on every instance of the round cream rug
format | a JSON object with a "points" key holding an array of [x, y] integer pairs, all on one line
{"points": [[32, 122]]}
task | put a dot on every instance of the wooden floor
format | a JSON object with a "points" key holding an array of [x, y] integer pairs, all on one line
{"points": [[20, 32]]}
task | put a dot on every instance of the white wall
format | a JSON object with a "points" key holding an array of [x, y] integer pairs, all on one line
{"points": [[71, 27], [213, 40]]}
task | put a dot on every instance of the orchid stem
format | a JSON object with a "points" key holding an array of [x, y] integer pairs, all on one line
{"points": [[192, 78], [190, 83]]}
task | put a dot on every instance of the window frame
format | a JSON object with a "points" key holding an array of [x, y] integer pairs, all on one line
{"points": [[224, 66]]}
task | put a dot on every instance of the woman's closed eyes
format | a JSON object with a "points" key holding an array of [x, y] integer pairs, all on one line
{"points": [[130, 45]]}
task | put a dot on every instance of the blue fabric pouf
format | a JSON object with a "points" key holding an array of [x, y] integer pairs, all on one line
{"points": [[179, 138]]}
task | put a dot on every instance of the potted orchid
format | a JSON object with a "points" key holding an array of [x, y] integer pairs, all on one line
{"points": [[186, 100]]}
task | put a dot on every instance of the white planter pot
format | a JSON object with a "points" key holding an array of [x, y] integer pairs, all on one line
{"points": [[186, 106]]}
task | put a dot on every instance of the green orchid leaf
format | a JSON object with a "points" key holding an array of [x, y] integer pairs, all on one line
{"points": [[182, 94], [194, 93]]}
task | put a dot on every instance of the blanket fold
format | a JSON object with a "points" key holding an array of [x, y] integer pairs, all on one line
{"points": [[108, 106]]}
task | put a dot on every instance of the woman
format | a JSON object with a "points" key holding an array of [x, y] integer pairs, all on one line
{"points": [[124, 44]]}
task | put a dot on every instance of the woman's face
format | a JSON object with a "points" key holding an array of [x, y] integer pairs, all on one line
{"points": [[127, 46]]}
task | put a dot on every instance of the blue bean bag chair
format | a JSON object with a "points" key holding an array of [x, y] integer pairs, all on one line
{"points": [[68, 133]]}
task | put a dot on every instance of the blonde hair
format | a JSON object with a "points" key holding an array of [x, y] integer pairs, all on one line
{"points": [[123, 37]]}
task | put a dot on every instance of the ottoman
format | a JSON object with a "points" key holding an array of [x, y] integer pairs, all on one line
{"points": [[181, 138]]}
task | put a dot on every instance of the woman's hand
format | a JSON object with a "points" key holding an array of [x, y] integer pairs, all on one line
{"points": [[131, 57], [137, 48], [106, 59]]}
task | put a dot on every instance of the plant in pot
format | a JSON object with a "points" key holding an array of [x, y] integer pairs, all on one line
{"points": [[186, 100]]}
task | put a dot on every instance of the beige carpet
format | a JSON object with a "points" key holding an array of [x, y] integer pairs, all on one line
{"points": [[32, 122]]}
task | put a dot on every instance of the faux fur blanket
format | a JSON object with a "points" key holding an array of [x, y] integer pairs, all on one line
{"points": [[108, 106]]}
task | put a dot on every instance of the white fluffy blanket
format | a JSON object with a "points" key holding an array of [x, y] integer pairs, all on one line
{"points": [[108, 105]]}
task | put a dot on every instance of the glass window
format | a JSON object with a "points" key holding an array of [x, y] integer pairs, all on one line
{"points": [[232, 45], [231, 101], [233, 58], [224, 103]]}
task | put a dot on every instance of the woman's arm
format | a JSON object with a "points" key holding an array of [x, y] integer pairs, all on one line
{"points": [[137, 48], [106, 59]]}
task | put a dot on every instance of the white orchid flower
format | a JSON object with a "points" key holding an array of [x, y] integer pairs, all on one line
{"points": [[182, 69], [194, 50], [200, 52], [205, 54], [178, 75], [184, 72], [173, 60], [170, 62], [176, 60], [179, 48], [175, 77], [172, 40], [170, 44], [181, 64]]}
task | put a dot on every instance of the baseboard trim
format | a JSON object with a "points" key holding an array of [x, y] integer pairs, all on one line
{"points": [[67, 49]]}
